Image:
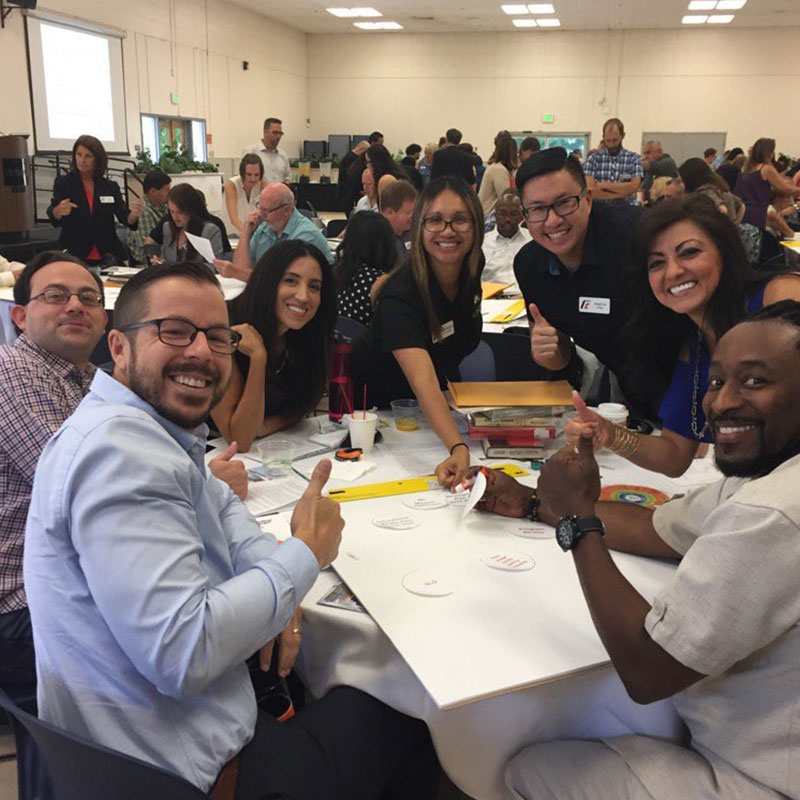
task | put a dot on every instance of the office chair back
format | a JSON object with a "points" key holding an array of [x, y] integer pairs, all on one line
{"points": [[83, 770], [479, 364]]}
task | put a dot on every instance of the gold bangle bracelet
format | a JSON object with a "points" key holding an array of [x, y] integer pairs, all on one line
{"points": [[625, 442]]}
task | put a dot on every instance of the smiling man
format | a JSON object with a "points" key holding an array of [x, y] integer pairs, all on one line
{"points": [[723, 636], [574, 275], [151, 583], [276, 164], [43, 377]]}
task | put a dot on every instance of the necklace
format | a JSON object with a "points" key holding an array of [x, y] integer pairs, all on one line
{"points": [[696, 388]]}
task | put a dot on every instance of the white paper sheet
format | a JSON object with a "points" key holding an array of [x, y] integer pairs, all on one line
{"points": [[203, 246], [264, 497]]}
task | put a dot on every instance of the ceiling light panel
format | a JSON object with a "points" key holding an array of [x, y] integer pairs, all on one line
{"points": [[549, 22], [541, 8], [720, 19], [524, 23], [730, 5], [354, 12], [702, 5], [515, 9], [694, 19], [379, 26]]}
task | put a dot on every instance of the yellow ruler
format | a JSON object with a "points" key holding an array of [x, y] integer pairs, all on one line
{"points": [[405, 486]]}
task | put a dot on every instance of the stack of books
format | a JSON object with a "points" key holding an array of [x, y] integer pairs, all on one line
{"points": [[514, 419], [522, 432]]}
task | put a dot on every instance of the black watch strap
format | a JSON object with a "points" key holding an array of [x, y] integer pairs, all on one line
{"points": [[589, 523]]}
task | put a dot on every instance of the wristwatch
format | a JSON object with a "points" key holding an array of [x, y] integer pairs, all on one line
{"points": [[570, 530]]}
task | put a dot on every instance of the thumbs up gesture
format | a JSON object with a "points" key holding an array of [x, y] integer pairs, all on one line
{"points": [[317, 520], [588, 424], [232, 472], [545, 341], [569, 482]]}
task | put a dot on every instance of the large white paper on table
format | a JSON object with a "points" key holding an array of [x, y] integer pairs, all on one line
{"points": [[202, 245], [500, 631]]}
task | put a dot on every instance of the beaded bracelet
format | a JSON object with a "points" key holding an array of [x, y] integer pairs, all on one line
{"points": [[625, 442]]}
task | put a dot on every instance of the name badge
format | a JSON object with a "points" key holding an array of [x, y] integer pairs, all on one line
{"points": [[105, 198], [448, 329], [594, 305]]}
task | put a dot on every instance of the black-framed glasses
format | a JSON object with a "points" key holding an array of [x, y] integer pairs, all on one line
{"points": [[59, 296], [563, 208], [180, 333], [437, 224]]}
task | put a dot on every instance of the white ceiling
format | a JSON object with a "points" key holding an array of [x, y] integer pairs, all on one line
{"points": [[442, 16]]}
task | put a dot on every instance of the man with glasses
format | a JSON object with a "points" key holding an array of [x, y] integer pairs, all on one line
{"points": [[173, 585], [275, 220], [574, 274], [276, 165], [43, 376]]}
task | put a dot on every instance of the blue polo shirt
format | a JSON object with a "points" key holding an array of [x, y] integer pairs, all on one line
{"points": [[298, 227]]}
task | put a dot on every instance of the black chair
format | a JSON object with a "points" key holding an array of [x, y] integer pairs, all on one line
{"points": [[335, 228], [82, 770]]}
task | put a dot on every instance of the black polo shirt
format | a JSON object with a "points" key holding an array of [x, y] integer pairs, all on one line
{"points": [[592, 303], [400, 321]]}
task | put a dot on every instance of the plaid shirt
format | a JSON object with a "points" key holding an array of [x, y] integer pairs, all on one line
{"points": [[38, 391], [621, 168], [150, 217]]}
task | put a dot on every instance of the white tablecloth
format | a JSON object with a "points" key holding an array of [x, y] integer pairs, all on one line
{"points": [[473, 741]]}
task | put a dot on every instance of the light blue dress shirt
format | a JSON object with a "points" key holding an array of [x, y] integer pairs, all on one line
{"points": [[298, 227], [149, 584]]}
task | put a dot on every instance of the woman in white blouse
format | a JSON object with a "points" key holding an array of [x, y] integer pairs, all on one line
{"points": [[499, 175], [242, 191]]}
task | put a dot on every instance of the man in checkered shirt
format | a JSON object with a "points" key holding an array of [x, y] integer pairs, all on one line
{"points": [[614, 173], [43, 377]]}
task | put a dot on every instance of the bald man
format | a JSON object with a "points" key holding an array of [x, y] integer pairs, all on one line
{"points": [[275, 220]]}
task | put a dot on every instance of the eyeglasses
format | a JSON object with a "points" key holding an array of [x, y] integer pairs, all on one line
{"points": [[56, 296], [563, 208], [180, 333], [265, 212], [438, 224]]}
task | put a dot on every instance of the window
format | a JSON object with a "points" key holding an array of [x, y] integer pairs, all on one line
{"points": [[569, 141], [159, 133], [77, 86]]}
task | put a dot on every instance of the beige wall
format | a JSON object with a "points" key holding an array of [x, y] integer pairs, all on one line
{"points": [[413, 87], [201, 61]]}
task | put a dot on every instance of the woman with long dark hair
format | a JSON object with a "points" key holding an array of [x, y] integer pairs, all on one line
{"points": [[286, 315], [85, 203], [694, 284], [365, 257], [499, 175], [380, 162], [187, 214], [428, 315], [696, 173]]}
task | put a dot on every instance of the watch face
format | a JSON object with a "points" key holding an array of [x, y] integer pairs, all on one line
{"points": [[565, 532]]}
